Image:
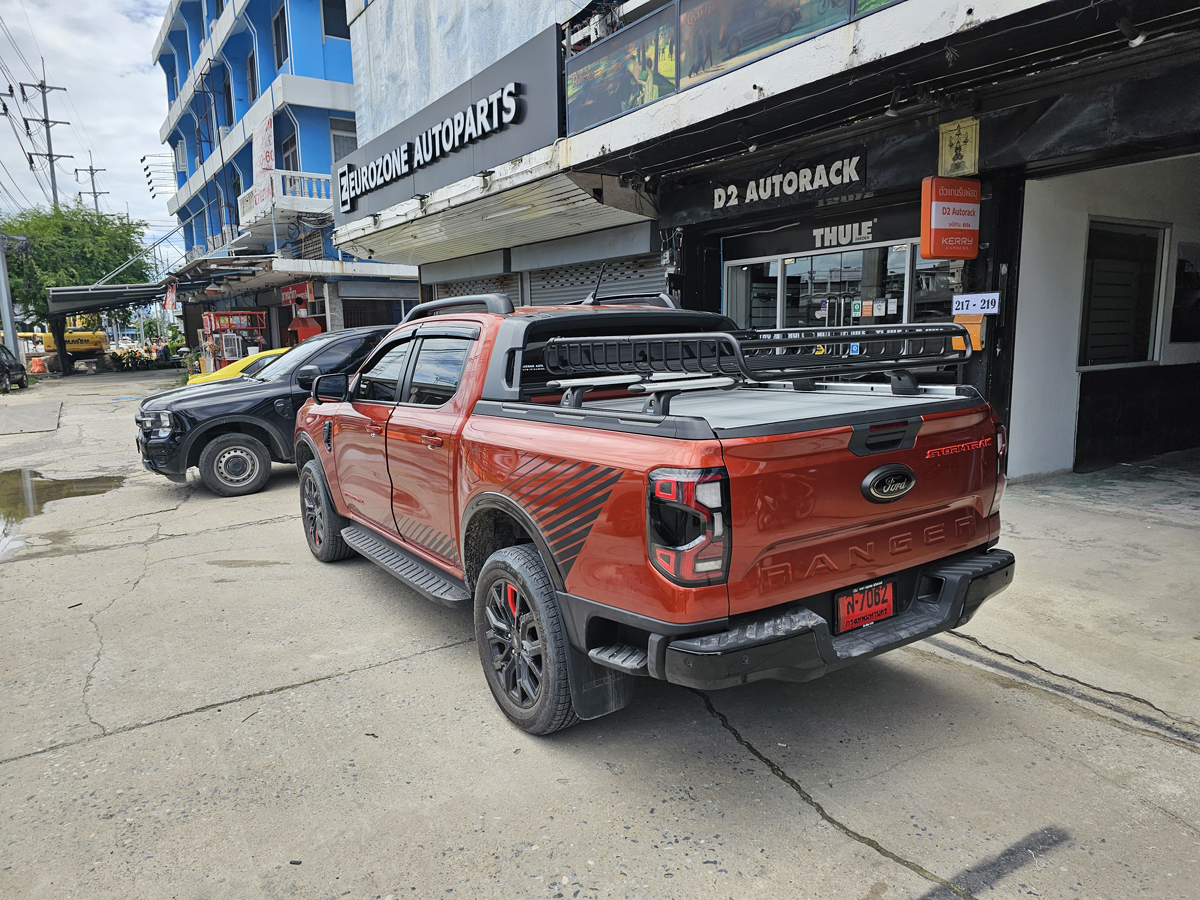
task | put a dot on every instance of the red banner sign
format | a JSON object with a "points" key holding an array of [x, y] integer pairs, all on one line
{"points": [[297, 295], [950, 218]]}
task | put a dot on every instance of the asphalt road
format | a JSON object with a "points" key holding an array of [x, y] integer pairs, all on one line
{"points": [[194, 707]]}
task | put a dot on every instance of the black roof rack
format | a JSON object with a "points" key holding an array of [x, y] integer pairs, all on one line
{"points": [[493, 303], [776, 355]]}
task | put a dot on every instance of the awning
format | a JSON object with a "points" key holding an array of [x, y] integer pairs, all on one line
{"points": [[559, 206], [71, 301]]}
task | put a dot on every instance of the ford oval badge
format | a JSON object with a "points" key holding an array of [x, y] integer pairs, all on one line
{"points": [[888, 483]]}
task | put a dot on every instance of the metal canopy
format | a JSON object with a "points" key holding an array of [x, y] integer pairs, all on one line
{"points": [[70, 301], [558, 206]]}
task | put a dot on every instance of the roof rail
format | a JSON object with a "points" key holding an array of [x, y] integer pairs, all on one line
{"points": [[658, 299], [494, 303]]}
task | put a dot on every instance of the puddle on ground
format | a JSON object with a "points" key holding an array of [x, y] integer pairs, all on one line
{"points": [[24, 493]]}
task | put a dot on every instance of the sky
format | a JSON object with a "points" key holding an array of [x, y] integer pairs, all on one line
{"points": [[115, 100]]}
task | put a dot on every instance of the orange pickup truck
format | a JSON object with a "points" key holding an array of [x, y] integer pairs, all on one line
{"points": [[637, 491]]}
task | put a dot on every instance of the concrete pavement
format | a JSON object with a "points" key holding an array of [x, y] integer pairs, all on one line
{"points": [[196, 708]]}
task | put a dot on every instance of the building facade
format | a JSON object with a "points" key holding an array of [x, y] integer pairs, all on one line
{"points": [[766, 159], [261, 104]]}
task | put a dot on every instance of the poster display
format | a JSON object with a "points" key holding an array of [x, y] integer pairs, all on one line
{"points": [[634, 68], [263, 147], [718, 35]]}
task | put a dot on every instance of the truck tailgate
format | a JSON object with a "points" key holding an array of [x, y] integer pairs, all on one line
{"points": [[803, 526]]}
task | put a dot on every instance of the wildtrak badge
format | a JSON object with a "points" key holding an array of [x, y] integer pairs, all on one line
{"points": [[793, 182]]}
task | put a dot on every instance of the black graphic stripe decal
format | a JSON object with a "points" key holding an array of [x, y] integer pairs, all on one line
{"points": [[565, 498], [428, 537]]}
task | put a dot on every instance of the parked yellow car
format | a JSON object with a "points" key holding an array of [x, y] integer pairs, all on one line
{"points": [[247, 365]]}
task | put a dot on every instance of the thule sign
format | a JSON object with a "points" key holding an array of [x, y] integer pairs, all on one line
{"points": [[479, 120]]}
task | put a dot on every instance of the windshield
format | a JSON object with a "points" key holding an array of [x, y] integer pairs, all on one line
{"points": [[284, 364]]}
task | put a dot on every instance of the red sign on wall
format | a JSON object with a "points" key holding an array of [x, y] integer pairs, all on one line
{"points": [[950, 218], [297, 295]]}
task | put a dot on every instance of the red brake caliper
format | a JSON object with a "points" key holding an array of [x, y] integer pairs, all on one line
{"points": [[510, 593]]}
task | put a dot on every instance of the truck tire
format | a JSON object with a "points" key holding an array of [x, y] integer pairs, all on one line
{"points": [[522, 641], [322, 523], [23, 381], [233, 465]]}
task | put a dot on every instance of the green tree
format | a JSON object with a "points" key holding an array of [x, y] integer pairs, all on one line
{"points": [[71, 245]]}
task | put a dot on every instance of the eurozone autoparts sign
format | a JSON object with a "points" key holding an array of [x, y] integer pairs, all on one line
{"points": [[482, 118], [843, 172]]}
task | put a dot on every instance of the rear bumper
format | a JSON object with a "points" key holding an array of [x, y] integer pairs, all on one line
{"points": [[795, 644]]}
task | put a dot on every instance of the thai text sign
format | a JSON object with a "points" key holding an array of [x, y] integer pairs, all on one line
{"points": [[950, 218]]}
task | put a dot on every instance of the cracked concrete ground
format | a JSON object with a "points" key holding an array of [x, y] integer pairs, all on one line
{"points": [[196, 708]]}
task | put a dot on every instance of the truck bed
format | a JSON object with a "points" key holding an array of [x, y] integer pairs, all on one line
{"points": [[764, 408]]}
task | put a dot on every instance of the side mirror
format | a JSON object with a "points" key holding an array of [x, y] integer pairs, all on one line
{"points": [[332, 388], [305, 376]]}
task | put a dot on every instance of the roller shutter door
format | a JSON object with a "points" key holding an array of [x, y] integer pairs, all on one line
{"points": [[493, 284], [570, 284]]}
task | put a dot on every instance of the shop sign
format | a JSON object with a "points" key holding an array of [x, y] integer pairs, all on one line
{"points": [[511, 108], [263, 146], [950, 218], [841, 172], [297, 295], [479, 120]]}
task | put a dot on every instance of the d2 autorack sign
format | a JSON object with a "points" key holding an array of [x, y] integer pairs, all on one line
{"points": [[950, 218]]}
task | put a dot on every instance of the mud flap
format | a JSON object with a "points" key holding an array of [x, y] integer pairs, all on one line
{"points": [[596, 690]]}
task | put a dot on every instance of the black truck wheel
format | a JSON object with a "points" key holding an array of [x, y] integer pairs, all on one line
{"points": [[322, 523], [522, 641], [232, 465], [23, 380]]}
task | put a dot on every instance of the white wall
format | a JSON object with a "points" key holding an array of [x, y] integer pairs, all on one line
{"points": [[408, 53], [1050, 302]]}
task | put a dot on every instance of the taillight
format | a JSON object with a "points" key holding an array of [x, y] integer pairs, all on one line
{"points": [[687, 525], [1001, 477]]}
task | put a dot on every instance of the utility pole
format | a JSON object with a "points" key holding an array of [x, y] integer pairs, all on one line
{"points": [[7, 318], [44, 89], [95, 194]]}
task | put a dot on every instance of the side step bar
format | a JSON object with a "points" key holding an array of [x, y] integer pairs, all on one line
{"points": [[621, 657], [416, 573]]}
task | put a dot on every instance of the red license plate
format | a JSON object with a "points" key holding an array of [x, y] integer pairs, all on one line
{"points": [[864, 604]]}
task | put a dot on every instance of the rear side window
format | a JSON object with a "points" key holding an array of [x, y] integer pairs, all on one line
{"points": [[438, 370], [378, 383]]}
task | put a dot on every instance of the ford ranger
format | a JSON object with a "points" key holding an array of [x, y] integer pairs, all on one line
{"points": [[623, 492]]}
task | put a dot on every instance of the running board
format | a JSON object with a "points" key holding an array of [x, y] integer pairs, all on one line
{"points": [[416, 573], [621, 657]]}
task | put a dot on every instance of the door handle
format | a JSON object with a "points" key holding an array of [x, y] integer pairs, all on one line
{"points": [[431, 440], [374, 429]]}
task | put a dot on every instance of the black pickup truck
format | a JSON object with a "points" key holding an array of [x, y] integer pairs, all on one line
{"points": [[234, 429]]}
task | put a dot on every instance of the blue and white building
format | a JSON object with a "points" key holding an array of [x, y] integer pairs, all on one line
{"points": [[281, 69]]}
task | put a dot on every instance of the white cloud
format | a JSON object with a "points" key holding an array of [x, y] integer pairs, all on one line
{"points": [[100, 51]]}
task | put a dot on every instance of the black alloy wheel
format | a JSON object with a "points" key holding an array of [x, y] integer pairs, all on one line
{"points": [[23, 380], [322, 523], [515, 643], [522, 641]]}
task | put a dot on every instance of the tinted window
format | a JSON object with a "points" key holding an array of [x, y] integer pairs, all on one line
{"points": [[378, 383], [438, 370]]}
